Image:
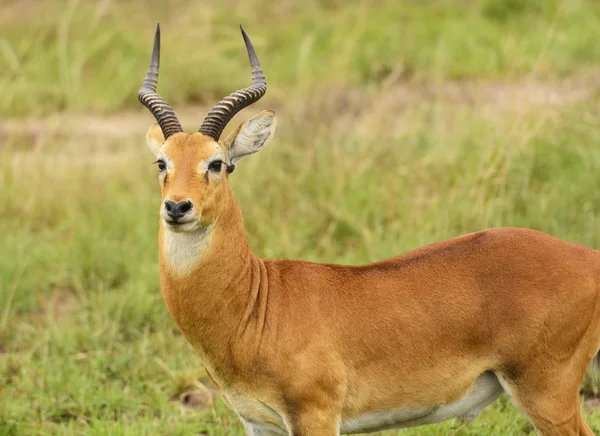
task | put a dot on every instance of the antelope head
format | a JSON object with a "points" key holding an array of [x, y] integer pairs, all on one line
{"points": [[194, 168]]}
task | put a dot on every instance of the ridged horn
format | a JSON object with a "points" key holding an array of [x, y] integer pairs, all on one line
{"points": [[148, 97], [223, 112]]}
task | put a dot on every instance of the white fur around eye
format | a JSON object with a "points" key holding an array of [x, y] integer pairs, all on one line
{"points": [[218, 154], [162, 156]]}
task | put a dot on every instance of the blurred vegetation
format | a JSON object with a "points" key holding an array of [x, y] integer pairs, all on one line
{"points": [[401, 123], [77, 55]]}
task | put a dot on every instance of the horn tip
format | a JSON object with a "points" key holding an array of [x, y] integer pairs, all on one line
{"points": [[244, 34], [156, 48]]}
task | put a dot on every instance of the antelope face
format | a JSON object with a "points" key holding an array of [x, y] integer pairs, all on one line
{"points": [[194, 170], [194, 167]]}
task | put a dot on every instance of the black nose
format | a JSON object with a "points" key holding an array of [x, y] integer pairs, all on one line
{"points": [[177, 210]]}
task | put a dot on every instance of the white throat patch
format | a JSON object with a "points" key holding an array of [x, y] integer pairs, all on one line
{"points": [[183, 251]]}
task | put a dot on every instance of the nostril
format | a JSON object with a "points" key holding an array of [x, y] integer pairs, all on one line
{"points": [[185, 206], [170, 205]]}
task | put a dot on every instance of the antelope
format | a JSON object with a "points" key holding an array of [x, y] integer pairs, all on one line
{"points": [[308, 349]]}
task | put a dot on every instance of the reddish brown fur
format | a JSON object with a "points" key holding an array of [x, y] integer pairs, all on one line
{"points": [[317, 344]]}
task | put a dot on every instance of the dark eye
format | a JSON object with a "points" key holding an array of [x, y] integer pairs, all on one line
{"points": [[215, 165], [161, 165]]}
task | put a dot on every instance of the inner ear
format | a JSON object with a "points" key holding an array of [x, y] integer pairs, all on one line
{"points": [[155, 138], [250, 136]]}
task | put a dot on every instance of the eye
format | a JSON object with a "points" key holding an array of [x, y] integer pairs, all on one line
{"points": [[215, 165], [161, 165]]}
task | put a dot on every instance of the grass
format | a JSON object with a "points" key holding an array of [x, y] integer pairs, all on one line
{"points": [[90, 56], [399, 125]]}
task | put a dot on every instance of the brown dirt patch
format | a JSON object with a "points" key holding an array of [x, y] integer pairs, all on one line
{"points": [[486, 96]]}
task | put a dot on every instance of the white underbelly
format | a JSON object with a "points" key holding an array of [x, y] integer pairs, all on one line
{"points": [[483, 392]]}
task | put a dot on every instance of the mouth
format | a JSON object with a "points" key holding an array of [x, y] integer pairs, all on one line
{"points": [[183, 225]]}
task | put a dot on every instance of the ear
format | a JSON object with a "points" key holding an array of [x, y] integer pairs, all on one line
{"points": [[155, 138], [250, 136]]}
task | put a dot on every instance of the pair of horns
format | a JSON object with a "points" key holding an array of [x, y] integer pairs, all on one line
{"points": [[220, 115]]}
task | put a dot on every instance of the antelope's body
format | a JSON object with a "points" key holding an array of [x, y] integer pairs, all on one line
{"points": [[306, 349]]}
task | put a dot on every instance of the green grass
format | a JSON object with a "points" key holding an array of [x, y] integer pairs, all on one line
{"points": [[91, 56], [376, 153]]}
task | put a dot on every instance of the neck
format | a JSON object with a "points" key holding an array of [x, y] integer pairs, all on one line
{"points": [[207, 281]]}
